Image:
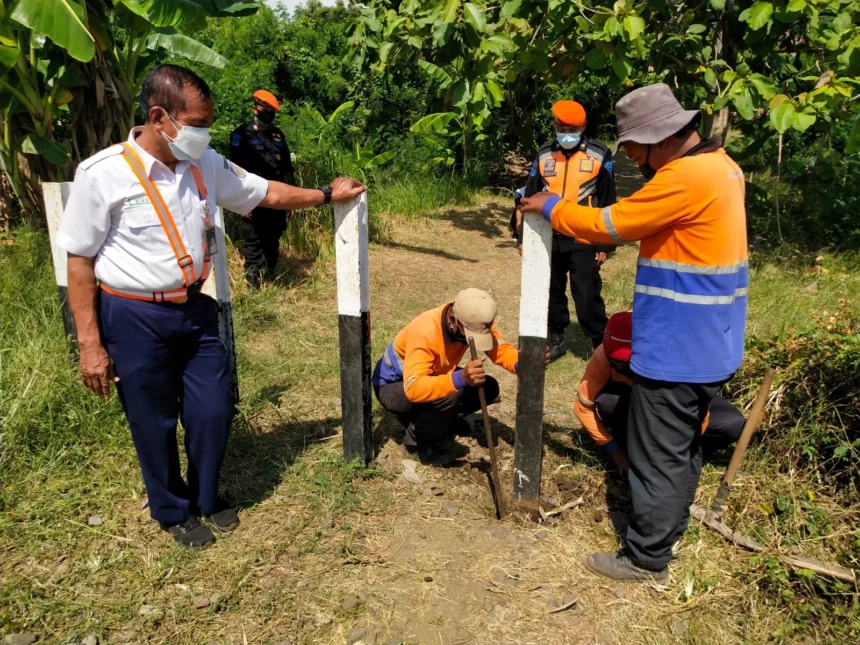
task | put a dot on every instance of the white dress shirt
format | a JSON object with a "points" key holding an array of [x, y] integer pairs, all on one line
{"points": [[108, 215]]}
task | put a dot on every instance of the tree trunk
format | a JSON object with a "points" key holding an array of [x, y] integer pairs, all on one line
{"points": [[467, 145], [725, 48]]}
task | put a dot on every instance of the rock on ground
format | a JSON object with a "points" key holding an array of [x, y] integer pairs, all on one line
{"points": [[95, 520], [146, 610], [350, 602], [92, 639], [21, 639], [354, 635], [451, 508], [201, 602]]}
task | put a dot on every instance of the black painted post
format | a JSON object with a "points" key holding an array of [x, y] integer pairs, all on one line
{"points": [[217, 287], [353, 308], [55, 196], [534, 303]]}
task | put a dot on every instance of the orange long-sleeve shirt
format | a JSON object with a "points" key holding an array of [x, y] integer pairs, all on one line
{"points": [[425, 357], [598, 374]]}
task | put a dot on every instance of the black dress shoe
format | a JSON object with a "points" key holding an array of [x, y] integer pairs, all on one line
{"points": [[190, 532], [557, 348], [224, 520]]}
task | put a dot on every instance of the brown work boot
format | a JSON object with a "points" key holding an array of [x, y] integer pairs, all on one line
{"points": [[617, 566]]}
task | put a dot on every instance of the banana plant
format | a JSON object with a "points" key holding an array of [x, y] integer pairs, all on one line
{"points": [[61, 64], [365, 159]]}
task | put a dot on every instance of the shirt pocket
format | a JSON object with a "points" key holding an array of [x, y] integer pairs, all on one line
{"points": [[142, 224]]}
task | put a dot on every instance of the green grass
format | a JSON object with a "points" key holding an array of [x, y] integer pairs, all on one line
{"points": [[421, 195]]}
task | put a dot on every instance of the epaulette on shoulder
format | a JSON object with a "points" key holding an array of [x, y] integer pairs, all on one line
{"points": [[107, 153], [597, 150]]}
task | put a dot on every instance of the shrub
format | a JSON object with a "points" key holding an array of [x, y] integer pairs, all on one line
{"points": [[815, 417]]}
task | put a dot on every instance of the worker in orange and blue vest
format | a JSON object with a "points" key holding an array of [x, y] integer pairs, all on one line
{"points": [[689, 309], [139, 231], [580, 169], [419, 381], [603, 398], [261, 148]]}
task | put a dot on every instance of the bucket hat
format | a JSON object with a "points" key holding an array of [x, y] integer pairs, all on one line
{"points": [[650, 114]]}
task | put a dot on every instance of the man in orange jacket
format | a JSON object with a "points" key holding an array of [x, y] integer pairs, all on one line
{"points": [[603, 399], [689, 309], [418, 380]]}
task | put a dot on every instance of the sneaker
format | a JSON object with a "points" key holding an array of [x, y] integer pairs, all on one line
{"points": [[190, 532], [557, 348], [617, 566], [224, 520]]}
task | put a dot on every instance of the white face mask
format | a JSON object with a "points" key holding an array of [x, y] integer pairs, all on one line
{"points": [[190, 142], [568, 140]]}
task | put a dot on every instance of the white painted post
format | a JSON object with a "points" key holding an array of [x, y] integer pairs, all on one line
{"points": [[55, 196], [353, 308], [534, 307], [217, 287]]}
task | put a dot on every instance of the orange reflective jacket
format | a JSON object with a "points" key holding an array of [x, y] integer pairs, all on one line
{"points": [[424, 356]]}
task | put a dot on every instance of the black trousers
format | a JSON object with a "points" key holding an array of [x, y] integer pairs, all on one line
{"points": [[261, 237], [664, 445], [585, 287], [725, 424], [429, 423]]}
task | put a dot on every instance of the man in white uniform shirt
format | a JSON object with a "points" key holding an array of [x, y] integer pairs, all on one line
{"points": [[138, 231]]}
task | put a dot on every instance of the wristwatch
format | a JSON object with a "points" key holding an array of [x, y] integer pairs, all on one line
{"points": [[326, 191]]}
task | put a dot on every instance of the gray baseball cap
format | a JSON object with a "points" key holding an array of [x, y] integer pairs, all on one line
{"points": [[650, 114]]}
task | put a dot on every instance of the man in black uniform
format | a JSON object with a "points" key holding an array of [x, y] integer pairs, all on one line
{"points": [[577, 168], [261, 148]]}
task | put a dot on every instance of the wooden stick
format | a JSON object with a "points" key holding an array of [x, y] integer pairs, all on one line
{"points": [[494, 465], [822, 568], [561, 509], [750, 426]]}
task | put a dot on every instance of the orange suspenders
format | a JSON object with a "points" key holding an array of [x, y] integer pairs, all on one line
{"points": [[186, 264]]}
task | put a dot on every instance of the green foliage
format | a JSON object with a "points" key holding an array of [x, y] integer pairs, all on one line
{"points": [[817, 422], [819, 187], [59, 57]]}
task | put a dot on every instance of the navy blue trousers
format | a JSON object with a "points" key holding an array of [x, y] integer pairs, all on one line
{"points": [[172, 366]]}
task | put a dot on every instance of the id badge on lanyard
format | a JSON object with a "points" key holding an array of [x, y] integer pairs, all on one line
{"points": [[209, 237]]}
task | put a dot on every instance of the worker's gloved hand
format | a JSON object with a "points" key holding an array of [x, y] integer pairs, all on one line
{"points": [[344, 188], [534, 204], [621, 461], [473, 373], [600, 258]]}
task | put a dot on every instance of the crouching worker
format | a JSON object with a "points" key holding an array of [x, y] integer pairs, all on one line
{"points": [[603, 398], [417, 378]]}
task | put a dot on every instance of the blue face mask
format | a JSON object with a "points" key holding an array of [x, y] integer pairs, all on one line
{"points": [[568, 140]]}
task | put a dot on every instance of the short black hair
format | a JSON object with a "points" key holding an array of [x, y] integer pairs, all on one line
{"points": [[164, 86], [690, 128]]}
